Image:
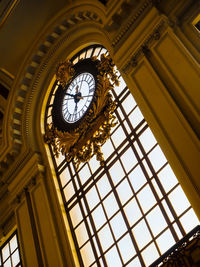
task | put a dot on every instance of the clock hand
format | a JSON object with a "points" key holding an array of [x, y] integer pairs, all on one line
{"points": [[70, 94], [76, 107], [77, 89], [86, 95], [70, 98]]}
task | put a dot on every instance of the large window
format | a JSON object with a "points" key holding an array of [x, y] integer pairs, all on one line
{"points": [[9, 253], [131, 210]]}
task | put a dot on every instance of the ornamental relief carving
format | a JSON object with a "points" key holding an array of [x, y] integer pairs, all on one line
{"points": [[84, 141]]}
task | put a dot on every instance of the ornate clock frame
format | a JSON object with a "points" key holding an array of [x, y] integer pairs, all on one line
{"points": [[81, 142]]}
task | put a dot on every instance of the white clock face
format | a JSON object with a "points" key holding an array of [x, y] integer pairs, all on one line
{"points": [[78, 97]]}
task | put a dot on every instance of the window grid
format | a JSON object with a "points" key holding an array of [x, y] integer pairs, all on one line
{"points": [[83, 194], [10, 252]]}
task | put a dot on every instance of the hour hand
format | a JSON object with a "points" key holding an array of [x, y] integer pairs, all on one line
{"points": [[70, 94]]}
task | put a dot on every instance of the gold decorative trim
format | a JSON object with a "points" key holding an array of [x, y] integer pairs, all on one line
{"points": [[144, 49], [64, 72], [81, 144]]}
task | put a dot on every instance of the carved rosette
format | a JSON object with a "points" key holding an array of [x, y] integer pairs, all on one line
{"points": [[81, 144]]}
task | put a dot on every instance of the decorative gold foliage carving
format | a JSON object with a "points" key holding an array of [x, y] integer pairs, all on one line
{"points": [[81, 144], [64, 72], [106, 68]]}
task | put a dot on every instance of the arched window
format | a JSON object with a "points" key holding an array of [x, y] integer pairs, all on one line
{"points": [[9, 252], [131, 210]]}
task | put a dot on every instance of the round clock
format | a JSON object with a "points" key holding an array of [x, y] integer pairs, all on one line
{"points": [[72, 103], [78, 97]]}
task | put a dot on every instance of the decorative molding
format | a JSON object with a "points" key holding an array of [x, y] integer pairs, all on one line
{"points": [[32, 75], [144, 49], [131, 21], [25, 179]]}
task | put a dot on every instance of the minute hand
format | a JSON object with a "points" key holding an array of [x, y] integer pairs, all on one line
{"points": [[86, 95]]}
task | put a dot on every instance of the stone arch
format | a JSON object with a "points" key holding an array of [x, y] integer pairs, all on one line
{"points": [[72, 29]]}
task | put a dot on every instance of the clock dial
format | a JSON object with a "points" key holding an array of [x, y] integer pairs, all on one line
{"points": [[78, 96]]}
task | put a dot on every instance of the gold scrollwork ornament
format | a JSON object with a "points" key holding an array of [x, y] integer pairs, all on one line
{"points": [[80, 144]]}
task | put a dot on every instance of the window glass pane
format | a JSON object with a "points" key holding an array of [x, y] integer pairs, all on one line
{"points": [[76, 215], [65, 177], [147, 139], [136, 117], [112, 258], [128, 104], [118, 136], [87, 254], [84, 174], [178, 232], [134, 263], [98, 217], [105, 237], [150, 254], [118, 225], [142, 234], [13, 243], [103, 186], [122, 83], [69, 191], [156, 221], [179, 200], [137, 178], [146, 198], [157, 158], [93, 164], [59, 159], [92, 198], [124, 191], [167, 178], [126, 248], [81, 233], [116, 172], [147, 169], [110, 205], [5, 252], [189, 220], [120, 114], [107, 149], [128, 159], [96, 246], [165, 241], [132, 212], [15, 258], [7, 263]]}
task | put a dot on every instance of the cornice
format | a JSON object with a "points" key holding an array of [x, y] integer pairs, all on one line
{"points": [[144, 48], [136, 15]]}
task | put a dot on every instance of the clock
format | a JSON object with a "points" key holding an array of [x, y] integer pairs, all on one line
{"points": [[73, 100], [78, 97], [82, 109]]}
